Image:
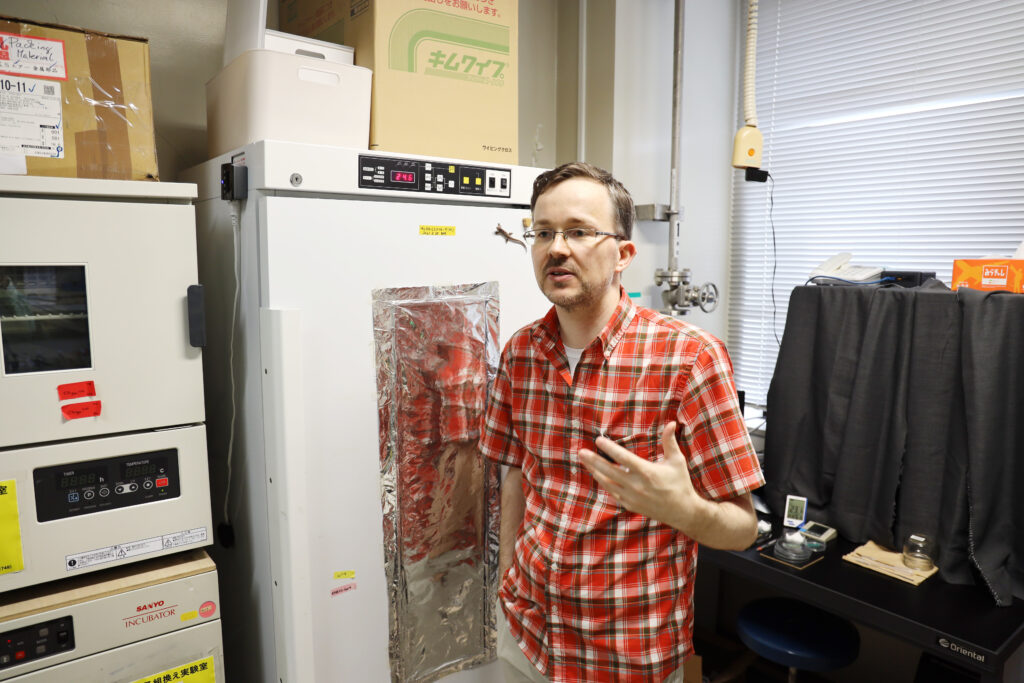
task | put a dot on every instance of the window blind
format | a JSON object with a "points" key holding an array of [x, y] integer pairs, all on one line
{"points": [[893, 130]]}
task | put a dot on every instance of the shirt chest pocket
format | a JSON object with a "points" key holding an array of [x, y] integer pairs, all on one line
{"points": [[644, 444]]}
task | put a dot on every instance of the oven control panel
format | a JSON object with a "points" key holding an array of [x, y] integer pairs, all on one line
{"points": [[82, 488], [38, 640], [433, 177]]}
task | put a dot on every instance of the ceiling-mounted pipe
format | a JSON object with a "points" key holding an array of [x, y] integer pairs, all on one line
{"points": [[676, 186], [581, 85], [681, 294]]}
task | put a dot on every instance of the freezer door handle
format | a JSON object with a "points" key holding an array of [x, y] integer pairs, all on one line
{"points": [[196, 316]]}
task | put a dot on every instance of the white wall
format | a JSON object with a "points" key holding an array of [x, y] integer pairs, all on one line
{"points": [[642, 137]]}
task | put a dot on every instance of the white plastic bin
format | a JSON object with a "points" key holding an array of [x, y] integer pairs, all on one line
{"points": [[271, 95]]}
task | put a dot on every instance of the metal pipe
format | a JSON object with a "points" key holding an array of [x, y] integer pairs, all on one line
{"points": [[676, 191], [581, 84]]}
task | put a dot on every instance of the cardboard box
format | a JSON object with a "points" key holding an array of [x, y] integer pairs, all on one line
{"points": [[321, 19], [76, 103], [989, 274], [445, 72]]}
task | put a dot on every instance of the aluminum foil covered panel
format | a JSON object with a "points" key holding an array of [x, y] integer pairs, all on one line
{"points": [[437, 351]]}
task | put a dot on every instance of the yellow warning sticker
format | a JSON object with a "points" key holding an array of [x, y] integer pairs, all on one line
{"points": [[345, 574], [199, 671], [11, 559], [189, 616], [437, 229]]}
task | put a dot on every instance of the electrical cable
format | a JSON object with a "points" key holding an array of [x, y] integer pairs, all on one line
{"points": [[775, 255], [236, 256], [850, 282]]}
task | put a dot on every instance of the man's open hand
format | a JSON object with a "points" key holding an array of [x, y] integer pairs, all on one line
{"points": [[660, 490]]}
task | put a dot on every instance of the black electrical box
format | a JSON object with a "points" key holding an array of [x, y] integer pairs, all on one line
{"points": [[906, 278]]}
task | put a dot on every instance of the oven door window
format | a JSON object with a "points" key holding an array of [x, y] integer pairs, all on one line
{"points": [[44, 320]]}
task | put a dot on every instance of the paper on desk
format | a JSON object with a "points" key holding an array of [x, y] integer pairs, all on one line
{"points": [[875, 557]]}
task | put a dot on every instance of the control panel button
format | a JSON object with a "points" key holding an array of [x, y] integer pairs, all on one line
{"points": [[89, 495], [104, 492], [119, 489], [148, 484], [73, 497], [162, 481]]}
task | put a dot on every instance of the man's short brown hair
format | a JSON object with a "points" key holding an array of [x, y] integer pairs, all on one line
{"points": [[622, 202]]}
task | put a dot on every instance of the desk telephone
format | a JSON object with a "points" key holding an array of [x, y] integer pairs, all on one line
{"points": [[839, 267]]}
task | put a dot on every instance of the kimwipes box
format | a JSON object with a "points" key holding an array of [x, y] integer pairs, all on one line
{"points": [[444, 71], [74, 103], [989, 274]]}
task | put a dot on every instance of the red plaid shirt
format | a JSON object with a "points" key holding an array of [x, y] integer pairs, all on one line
{"points": [[595, 592]]}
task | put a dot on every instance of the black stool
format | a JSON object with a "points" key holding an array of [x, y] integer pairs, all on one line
{"points": [[797, 635]]}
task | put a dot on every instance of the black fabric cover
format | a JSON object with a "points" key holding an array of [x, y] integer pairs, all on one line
{"points": [[993, 376], [897, 411]]}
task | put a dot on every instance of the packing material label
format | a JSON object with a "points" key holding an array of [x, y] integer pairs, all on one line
{"points": [[30, 117], [32, 56], [11, 558]]}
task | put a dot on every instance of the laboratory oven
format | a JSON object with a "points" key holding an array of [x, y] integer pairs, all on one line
{"points": [[102, 450], [357, 268], [151, 622]]}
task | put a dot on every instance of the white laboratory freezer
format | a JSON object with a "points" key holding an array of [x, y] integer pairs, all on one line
{"points": [[295, 366]]}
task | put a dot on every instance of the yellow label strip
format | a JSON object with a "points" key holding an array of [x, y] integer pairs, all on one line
{"points": [[437, 229], [199, 671], [11, 558]]}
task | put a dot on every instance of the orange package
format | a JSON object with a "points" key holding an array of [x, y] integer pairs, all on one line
{"points": [[989, 274]]}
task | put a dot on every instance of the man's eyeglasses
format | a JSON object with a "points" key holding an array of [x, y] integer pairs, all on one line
{"points": [[573, 236]]}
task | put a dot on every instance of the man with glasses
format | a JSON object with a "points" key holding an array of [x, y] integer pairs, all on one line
{"points": [[626, 447]]}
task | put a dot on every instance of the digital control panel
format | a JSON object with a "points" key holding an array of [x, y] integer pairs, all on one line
{"points": [[85, 487], [33, 642], [433, 177]]}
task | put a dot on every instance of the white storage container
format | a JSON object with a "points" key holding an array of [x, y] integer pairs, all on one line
{"points": [[309, 47], [270, 95]]}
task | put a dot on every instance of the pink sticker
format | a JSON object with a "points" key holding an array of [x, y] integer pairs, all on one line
{"points": [[207, 609], [343, 589]]}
